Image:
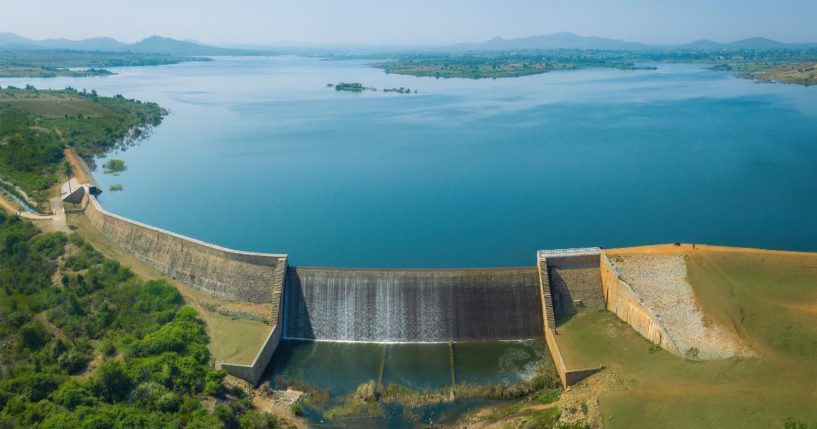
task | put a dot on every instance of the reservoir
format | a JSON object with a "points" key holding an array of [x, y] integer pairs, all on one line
{"points": [[259, 154]]}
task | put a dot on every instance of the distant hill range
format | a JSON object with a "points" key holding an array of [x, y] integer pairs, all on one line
{"points": [[164, 45], [150, 45], [575, 41]]}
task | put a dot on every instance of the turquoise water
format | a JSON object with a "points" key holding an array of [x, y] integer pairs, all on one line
{"points": [[258, 154]]}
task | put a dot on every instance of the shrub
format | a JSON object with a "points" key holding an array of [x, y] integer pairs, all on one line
{"points": [[257, 420], [111, 381]]}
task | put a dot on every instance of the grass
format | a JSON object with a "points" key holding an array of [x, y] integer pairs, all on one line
{"points": [[235, 340], [793, 73], [764, 296], [54, 104]]}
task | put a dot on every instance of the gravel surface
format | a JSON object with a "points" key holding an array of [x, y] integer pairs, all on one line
{"points": [[660, 282]]}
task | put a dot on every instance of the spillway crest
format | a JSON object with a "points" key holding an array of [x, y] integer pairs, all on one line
{"points": [[412, 305]]}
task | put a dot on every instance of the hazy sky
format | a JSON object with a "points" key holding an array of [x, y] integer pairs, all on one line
{"points": [[409, 21]]}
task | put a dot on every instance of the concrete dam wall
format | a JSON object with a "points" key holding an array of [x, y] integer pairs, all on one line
{"points": [[412, 305], [223, 273]]}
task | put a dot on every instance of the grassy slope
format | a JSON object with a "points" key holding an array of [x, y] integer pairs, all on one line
{"points": [[765, 296]]}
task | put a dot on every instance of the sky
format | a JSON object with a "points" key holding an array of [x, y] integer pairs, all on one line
{"points": [[409, 22]]}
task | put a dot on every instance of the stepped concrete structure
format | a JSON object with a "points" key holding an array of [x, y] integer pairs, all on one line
{"points": [[388, 306]]}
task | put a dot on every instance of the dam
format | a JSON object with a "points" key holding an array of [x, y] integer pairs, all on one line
{"points": [[412, 306], [448, 307]]}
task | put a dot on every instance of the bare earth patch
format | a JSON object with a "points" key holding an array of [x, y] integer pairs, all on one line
{"points": [[660, 281]]}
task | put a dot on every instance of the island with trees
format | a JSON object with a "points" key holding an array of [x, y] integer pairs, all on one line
{"points": [[795, 66]]}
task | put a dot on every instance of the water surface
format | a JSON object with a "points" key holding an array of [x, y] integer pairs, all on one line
{"points": [[258, 154]]}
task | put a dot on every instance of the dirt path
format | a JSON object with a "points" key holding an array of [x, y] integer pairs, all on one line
{"points": [[78, 167]]}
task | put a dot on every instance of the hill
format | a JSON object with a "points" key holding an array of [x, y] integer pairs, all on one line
{"points": [[150, 45], [575, 41], [551, 41], [758, 43]]}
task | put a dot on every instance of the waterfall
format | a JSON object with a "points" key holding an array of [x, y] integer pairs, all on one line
{"points": [[414, 306]]}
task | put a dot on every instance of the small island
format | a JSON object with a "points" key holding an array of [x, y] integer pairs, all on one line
{"points": [[494, 65], [351, 87], [400, 90], [358, 87], [114, 166]]}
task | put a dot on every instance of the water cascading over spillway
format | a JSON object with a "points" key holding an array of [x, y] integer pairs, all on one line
{"points": [[413, 306]]}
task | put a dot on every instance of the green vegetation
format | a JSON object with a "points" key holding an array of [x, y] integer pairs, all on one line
{"points": [[351, 87], [35, 126], [116, 187], [500, 64], [400, 90], [86, 344], [114, 166], [53, 63], [44, 72], [479, 65]]}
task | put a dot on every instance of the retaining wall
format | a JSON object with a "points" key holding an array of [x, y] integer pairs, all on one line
{"points": [[624, 302], [582, 286], [575, 283], [568, 377]]}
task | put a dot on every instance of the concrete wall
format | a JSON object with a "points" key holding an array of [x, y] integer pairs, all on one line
{"points": [[253, 372], [549, 318], [575, 283], [624, 302], [223, 273], [413, 306], [568, 376], [582, 286]]}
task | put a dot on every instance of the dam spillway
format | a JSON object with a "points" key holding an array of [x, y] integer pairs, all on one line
{"points": [[412, 306]]}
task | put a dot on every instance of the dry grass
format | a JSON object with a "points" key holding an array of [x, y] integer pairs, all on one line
{"points": [[55, 105]]}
